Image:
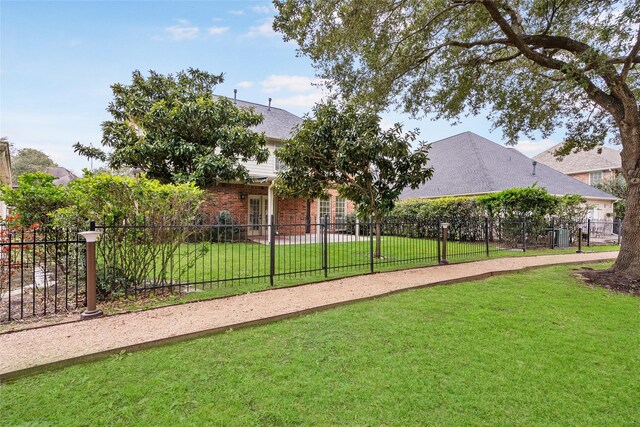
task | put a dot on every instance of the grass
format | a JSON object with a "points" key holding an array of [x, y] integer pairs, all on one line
{"points": [[224, 260], [532, 348]]}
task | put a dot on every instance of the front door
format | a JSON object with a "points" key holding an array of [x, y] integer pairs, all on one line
{"points": [[258, 215]]}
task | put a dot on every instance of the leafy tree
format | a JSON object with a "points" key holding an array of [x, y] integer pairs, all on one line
{"points": [[29, 160], [347, 149], [534, 65], [35, 197], [515, 203], [618, 187], [173, 128]]}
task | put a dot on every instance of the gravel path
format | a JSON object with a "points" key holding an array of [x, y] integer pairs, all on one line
{"points": [[27, 351]]}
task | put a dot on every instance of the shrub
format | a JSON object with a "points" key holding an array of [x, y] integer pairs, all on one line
{"points": [[35, 198], [144, 225]]}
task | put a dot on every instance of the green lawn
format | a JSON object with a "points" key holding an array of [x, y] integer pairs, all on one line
{"points": [[224, 261], [533, 348]]}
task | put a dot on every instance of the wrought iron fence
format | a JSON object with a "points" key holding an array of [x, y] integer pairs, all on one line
{"points": [[42, 271]]}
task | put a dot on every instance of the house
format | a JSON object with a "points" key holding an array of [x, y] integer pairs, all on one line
{"points": [[254, 203], [63, 176], [591, 167], [470, 165], [5, 172]]}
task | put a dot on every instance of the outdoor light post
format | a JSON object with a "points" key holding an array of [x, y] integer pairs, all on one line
{"points": [[91, 237], [445, 233]]}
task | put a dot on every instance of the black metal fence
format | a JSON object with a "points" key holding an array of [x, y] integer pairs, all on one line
{"points": [[140, 258], [42, 271]]}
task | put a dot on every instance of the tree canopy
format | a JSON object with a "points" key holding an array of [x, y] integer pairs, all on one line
{"points": [[176, 130], [533, 65], [347, 149], [29, 160]]}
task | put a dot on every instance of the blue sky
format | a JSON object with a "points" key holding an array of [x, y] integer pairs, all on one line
{"points": [[59, 58]]}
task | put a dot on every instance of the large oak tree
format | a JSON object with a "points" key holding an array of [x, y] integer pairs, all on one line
{"points": [[534, 65]]}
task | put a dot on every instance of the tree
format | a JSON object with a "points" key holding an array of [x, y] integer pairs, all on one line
{"points": [[176, 130], [534, 65], [35, 197], [618, 187], [346, 149], [29, 160]]}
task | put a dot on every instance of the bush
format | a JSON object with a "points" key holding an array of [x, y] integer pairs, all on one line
{"points": [[144, 225]]}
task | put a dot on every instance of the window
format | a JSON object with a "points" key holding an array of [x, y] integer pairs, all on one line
{"points": [[279, 164], [324, 208], [341, 213], [595, 178]]}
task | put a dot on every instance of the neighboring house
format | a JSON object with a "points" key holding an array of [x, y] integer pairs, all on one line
{"points": [[5, 172], [591, 167], [254, 203], [469, 165], [63, 176]]}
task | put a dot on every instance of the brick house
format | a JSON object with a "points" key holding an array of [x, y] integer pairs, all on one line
{"points": [[254, 203], [591, 167]]}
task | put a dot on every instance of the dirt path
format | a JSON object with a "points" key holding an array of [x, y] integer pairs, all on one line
{"points": [[27, 351]]}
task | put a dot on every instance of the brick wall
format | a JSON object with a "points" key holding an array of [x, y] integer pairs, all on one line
{"points": [[226, 197], [584, 176]]}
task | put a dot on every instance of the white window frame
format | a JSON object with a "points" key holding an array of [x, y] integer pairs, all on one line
{"points": [[322, 204], [341, 213], [596, 181]]}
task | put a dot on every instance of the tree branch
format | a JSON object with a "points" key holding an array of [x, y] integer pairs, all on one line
{"points": [[631, 58]]}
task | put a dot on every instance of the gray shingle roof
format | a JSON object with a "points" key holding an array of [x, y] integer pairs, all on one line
{"points": [[582, 161], [62, 176], [468, 164], [277, 123]]}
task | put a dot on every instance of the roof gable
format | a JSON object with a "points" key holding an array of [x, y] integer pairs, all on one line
{"points": [[467, 163], [582, 161]]}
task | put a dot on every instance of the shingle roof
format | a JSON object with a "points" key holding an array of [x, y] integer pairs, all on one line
{"points": [[277, 123], [583, 161], [468, 164], [62, 176]]}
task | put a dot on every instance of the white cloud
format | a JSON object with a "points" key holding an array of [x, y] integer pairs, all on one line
{"points": [[263, 30], [245, 84], [237, 12], [306, 101], [532, 148], [216, 19], [216, 31], [182, 31], [284, 82], [264, 9]]}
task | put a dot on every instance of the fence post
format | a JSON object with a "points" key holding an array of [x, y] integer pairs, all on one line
{"points": [[486, 234], [589, 232], [553, 233], [579, 251], [445, 232], [524, 234], [438, 240], [325, 246], [619, 230], [272, 249], [91, 236], [371, 243]]}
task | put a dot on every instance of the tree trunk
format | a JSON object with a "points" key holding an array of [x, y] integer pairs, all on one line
{"points": [[378, 239], [628, 262]]}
